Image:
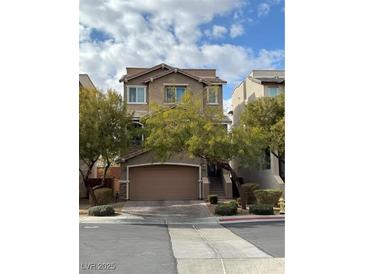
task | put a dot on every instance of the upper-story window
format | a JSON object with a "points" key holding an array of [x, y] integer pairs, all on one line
{"points": [[213, 95], [174, 94], [272, 91], [136, 94]]}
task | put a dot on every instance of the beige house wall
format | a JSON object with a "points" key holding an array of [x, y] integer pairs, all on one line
{"points": [[238, 101], [155, 91], [267, 178], [148, 157], [157, 87], [253, 90], [205, 187], [139, 81]]}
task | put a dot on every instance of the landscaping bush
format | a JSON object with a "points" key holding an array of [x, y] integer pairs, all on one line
{"points": [[226, 209], [268, 196], [213, 199], [232, 203], [103, 210], [249, 188], [103, 196], [261, 209]]}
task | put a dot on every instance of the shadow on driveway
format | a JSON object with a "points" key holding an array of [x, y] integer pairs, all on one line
{"points": [[163, 209]]}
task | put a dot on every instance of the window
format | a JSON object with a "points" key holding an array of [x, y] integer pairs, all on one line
{"points": [[136, 94], [272, 91], [174, 94], [213, 95]]}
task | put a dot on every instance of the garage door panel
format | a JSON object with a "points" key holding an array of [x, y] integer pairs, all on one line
{"points": [[164, 182]]}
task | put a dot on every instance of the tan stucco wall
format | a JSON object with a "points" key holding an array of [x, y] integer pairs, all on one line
{"points": [[155, 91], [157, 87], [148, 157], [142, 108], [205, 187], [266, 178], [238, 101], [253, 90], [238, 95]]}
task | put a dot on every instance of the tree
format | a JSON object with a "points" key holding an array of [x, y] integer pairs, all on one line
{"points": [[189, 128], [264, 117], [113, 130], [89, 123], [103, 131]]}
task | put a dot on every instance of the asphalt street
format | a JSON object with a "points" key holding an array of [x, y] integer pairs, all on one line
{"points": [[146, 248], [269, 237], [127, 248]]}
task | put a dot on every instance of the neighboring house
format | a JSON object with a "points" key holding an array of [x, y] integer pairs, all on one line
{"points": [[260, 83], [180, 177], [86, 83]]}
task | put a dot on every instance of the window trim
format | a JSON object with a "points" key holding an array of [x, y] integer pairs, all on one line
{"points": [[145, 94], [175, 86], [217, 98]]}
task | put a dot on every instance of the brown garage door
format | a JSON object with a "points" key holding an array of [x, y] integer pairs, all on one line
{"points": [[163, 182]]}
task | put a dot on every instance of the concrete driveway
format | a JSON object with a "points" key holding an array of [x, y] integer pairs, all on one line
{"points": [[167, 209]]}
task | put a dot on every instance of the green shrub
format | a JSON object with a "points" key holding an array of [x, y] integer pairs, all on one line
{"points": [[250, 188], [103, 210], [213, 199], [226, 209], [233, 203], [261, 209], [268, 196], [103, 195]]}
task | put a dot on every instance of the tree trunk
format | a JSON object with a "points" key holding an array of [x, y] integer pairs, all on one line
{"points": [[234, 178], [85, 177], [92, 190]]}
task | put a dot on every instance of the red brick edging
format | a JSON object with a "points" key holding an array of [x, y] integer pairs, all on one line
{"points": [[251, 218]]}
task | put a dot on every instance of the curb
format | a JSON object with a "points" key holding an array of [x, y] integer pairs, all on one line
{"points": [[251, 219], [172, 221]]}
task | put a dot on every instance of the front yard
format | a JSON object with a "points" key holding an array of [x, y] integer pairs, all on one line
{"points": [[84, 207], [227, 202]]}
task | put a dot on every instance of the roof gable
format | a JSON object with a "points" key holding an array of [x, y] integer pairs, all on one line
{"points": [[176, 70], [127, 77]]}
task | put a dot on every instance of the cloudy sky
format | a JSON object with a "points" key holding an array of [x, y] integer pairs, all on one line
{"points": [[233, 36]]}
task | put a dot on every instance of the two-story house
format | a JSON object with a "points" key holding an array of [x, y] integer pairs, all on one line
{"points": [[260, 83], [180, 177]]}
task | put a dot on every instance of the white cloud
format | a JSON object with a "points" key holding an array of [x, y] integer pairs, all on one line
{"points": [[145, 33], [218, 31], [263, 9], [236, 30]]}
